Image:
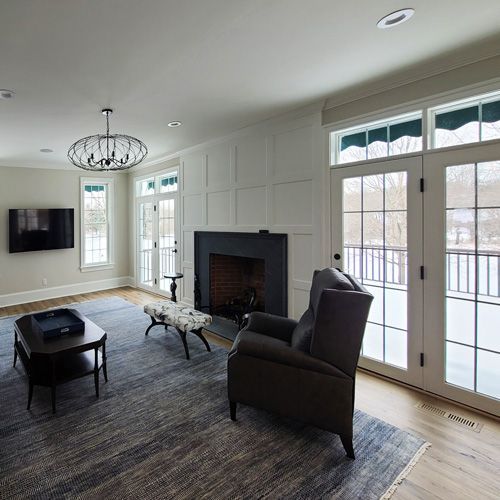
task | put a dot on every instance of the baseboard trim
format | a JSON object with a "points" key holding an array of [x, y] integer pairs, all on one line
{"points": [[54, 292]]}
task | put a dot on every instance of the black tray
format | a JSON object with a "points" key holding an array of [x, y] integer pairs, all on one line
{"points": [[57, 322]]}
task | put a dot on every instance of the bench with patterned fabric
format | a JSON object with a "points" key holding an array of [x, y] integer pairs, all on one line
{"points": [[183, 319]]}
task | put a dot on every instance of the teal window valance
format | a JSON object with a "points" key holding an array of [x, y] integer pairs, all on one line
{"points": [[358, 139], [412, 128], [377, 135], [491, 112], [386, 133], [169, 181], [89, 189], [452, 120]]}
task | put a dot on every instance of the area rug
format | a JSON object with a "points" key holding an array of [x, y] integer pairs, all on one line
{"points": [[161, 429]]}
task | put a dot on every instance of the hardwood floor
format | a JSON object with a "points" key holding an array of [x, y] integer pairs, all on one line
{"points": [[461, 464]]}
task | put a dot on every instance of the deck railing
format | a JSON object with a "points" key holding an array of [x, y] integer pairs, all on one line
{"points": [[462, 267]]}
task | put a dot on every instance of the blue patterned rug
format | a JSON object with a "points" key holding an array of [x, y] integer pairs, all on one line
{"points": [[161, 429]]}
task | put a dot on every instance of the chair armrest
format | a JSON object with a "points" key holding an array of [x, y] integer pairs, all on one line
{"points": [[271, 325], [261, 346]]}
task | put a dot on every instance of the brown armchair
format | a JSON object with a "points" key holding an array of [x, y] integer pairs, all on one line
{"points": [[305, 370]]}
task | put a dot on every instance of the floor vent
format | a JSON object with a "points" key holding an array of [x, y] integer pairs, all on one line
{"points": [[458, 419]]}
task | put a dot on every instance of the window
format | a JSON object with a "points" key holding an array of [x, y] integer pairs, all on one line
{"points": [[96, 219], [163, 183], [466, 122], [396, 136], [168, 183]]}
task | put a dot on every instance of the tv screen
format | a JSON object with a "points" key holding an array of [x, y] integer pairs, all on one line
{"points": [[33, 229]]}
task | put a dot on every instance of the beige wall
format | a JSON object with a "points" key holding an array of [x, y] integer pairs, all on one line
{"points": [[44, 188]]}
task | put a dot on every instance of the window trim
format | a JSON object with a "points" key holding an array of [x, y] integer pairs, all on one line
{"points": [[110, 187]]}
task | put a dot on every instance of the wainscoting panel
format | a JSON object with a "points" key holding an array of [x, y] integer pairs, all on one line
{"points": [[192, 167], [218, 162], [187, 247], [218, 208], [293, 151], [192, 210], [251, 207], [251, 160], [302, 252], [293, 203]]}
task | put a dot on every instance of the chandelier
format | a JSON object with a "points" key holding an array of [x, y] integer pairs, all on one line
{"points": [[105, 152]]}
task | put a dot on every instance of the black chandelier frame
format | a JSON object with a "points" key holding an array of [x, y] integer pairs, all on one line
{"points": [[104, 152]]}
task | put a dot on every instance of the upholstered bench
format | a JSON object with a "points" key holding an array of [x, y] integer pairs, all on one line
{"points": [[183, 319]]}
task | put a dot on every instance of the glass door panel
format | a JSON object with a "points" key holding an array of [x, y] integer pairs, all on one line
{"points": [[145, 244], [462, 296], [166, 241], [370, 214], [472, 351]]}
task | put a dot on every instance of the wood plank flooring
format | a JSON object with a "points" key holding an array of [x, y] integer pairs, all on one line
{"points": [[461, 464]]}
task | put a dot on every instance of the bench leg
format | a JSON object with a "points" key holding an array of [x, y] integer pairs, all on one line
{"points": [[184, 341], [200, 335], [153, 323]]}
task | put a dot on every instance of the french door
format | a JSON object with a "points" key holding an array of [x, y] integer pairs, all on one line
{"points": [[377, 237], [156, 242], [431, 260], [462, 285]]}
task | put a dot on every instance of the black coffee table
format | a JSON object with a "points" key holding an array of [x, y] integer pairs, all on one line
{"points": [[53, 361]]}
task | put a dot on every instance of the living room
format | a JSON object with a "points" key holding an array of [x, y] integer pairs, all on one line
{"points": [[271, 153]]}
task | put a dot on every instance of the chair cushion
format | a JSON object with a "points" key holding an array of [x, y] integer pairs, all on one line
{"points": [[181, 317], [327, 278]]}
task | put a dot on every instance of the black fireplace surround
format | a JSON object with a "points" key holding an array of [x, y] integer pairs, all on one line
{"points": [[270, 247]]}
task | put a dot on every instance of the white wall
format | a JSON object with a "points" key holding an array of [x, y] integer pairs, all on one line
{"points": [[267, 177], [21, 274]]}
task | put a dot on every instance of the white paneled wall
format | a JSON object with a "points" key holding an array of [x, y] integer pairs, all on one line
{"points": [[269, 178]]}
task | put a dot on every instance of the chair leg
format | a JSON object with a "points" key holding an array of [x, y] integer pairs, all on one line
{"points": [[347, 442], [30, 393], [182, 335], [232, 410], [200, 336], [153, 323]]}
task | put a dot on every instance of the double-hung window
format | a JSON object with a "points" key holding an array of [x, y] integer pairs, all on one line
{"points": [[96, 223]]}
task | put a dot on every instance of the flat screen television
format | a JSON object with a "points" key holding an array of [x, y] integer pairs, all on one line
{"points": [[32, 229]]}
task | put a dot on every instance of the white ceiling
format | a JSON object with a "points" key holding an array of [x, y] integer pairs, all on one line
{"points": [[216, 65]]}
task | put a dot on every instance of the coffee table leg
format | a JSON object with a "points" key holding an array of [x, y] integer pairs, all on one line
{"points": [[30, 393], [104, 366], [96, 372], [15, 350], [53, 387]]}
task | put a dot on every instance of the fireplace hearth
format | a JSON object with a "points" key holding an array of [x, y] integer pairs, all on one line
{"points": [[236, 273]]}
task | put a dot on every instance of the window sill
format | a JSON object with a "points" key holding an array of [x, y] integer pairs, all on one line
{"points": [[97, 267]]}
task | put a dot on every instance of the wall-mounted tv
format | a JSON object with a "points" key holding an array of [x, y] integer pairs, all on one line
{"points": [[32, 229]]}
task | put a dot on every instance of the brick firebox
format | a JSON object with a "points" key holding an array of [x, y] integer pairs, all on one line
{"points": [[231, 275]]}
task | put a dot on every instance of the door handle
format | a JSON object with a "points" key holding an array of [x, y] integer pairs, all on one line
{"points": [[337, 256], [174, 250]]}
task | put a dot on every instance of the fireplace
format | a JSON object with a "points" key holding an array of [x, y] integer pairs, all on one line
{"points": [[237, 273]]}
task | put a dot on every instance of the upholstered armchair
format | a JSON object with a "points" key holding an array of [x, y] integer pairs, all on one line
{"points": [[306, 369]]}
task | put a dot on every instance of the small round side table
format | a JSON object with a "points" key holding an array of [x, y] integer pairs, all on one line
{"points": [[173, 285]]}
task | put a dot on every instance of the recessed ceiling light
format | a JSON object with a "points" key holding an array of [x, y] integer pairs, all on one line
{"points": [[174, 124], [6, 94], [46, 150], [395, 18]]}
